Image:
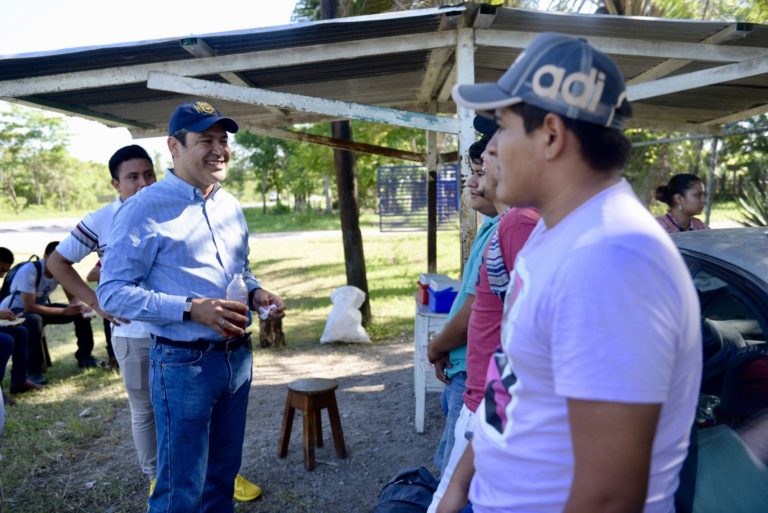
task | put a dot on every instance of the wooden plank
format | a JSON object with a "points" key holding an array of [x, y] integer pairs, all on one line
{"points": [[731, 32], [465, 74], [69, 110], [738, 116], [431, 163], [338, 143], [696, 79], [227, 63], [347, 110], [636, 47]]}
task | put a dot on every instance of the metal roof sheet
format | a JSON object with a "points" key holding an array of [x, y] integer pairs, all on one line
{"points": [[385, 74]]}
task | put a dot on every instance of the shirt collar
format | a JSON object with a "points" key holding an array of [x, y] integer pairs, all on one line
{"points": [[188, 190]]}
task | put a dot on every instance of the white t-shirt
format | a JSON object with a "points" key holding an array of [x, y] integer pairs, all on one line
{"points": [[600, 307], [92, 234], [24, 281]]}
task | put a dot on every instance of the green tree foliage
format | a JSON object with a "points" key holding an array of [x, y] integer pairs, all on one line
{"points": [[755, 11], [745, 158], [261, 161], [37, 170]]}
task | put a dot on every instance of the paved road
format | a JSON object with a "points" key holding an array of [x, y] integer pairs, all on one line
{"points": [[27, 237]]}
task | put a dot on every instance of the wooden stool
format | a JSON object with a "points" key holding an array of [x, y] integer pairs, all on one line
{"points": [[311, 395]]}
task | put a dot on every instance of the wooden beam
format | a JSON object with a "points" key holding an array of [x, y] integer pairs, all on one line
{"points": [[465, 74], [610, 5], [731, 32], [634, 47], [347, 110], [671, 126], [431, 170], [697, 79], [486, 15], [439, 63], [70, 110], [279, 133], [738, 116], [200, 49], [438, 69], [227, 63]]}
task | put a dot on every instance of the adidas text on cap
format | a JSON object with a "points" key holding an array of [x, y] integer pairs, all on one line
{"points": [[557, 73]]}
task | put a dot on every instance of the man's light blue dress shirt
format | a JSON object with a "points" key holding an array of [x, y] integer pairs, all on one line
{"points": [[168, 243]]}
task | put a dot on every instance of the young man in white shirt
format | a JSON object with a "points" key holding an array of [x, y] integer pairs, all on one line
{"points": [[590, 405]]}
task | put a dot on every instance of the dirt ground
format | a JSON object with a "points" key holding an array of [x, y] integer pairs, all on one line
{"points": [[376, 403]]}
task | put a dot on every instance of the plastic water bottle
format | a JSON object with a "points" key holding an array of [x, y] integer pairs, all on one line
{"points": [[237, 290]]}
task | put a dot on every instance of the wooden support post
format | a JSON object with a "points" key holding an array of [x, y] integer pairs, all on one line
{"points": [[711, 178], [431, 202], [465, 74]]}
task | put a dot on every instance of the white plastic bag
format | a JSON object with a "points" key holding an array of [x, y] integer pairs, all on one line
{"points": [[345, 322]]}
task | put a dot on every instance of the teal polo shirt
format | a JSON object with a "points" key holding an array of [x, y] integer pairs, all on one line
{"points": [[458, 356]]}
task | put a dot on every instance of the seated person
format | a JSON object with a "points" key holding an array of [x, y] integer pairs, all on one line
{"points": [[30, 293], [19, 341], [6, 348]]}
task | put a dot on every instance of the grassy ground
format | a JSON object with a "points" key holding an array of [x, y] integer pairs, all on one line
{"points": [[73, 416]]}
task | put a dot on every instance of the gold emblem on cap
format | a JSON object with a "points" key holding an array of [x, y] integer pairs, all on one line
{"points": [[204, 108]]}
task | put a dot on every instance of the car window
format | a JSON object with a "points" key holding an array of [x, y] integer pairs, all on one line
{"points": [[731, 440], [728, 309]]}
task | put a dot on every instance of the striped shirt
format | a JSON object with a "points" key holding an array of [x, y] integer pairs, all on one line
{"points": [[92, 234], [178, 244]]}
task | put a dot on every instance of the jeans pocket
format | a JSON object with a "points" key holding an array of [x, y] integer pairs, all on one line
{"points": [[177, 357]]}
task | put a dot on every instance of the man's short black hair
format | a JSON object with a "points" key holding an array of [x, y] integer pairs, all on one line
{"points": [[181, 136], [50, 248], [6, 256], [134, 151], [604, 149], [477, 149]]}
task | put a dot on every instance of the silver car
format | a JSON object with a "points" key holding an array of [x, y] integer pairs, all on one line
{"points": [[726, 467]]}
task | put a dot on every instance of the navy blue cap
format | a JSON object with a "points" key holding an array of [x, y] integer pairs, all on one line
{"points": [[558, 73], [198, 117], [484, 125]]}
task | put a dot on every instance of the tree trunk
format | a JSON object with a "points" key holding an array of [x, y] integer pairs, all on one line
{"points": [[11, 188], [264, 192], [327, 185], [346, 184]]}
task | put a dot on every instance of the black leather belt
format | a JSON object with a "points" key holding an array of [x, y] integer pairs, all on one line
{"points": [[202, 344]]}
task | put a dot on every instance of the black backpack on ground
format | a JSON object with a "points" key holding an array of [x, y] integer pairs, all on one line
{"points": [[410, 491], [5, 290]]}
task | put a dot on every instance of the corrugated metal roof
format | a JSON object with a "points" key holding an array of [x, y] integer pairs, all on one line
{"points": [[386, 77]]}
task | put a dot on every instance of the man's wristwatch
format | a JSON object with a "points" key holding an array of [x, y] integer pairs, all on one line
{"points": [[187, 310]]}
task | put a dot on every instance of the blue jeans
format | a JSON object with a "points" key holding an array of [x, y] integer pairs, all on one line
{"points": [[20, 341], [452, 393], [200, 400], [6, 348]]}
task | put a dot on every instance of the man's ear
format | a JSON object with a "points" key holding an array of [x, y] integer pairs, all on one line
{"points": [[173, 146], [553, 133], [116, 185]]}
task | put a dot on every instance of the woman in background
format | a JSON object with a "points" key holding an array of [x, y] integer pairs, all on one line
{"points": [[686, 196]]}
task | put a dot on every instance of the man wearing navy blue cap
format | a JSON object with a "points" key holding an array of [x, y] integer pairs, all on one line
{"points": [[590, 404], [174, 248]]}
